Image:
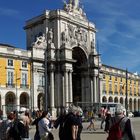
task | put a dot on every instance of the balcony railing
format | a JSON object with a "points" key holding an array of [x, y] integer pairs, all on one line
{"points": [[10, 85], [24, 86], [104, 91], [110, 92]]}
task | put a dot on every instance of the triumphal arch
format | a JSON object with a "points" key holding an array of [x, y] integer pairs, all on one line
{"points": [[64, 40]]}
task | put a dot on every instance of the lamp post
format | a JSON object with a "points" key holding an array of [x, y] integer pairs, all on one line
{"points": [[126, 95], [46, 82], [17, 105]]}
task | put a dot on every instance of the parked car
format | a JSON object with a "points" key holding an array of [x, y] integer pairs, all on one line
{"points": [[130, 114], [136, 113]]}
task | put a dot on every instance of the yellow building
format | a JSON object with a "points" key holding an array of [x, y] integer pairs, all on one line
{"points": [[14, 78], [114, 87]]}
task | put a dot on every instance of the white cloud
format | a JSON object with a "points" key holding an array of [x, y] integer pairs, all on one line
{"points": [[118, 31], [8, 12]]}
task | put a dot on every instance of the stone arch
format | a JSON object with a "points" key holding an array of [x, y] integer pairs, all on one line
{"points": [[40, 101], [79, 67], [110, 99], [130, 104], [116, 100], [10, 102], [24, 100], [135, 104], [82, 50], [104, 99], [121, 100]]}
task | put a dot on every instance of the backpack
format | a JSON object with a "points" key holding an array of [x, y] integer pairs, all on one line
{"points": [[115, 132], [14, 131], [3, 129]]}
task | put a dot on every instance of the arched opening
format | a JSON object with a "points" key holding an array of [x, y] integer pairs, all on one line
{"points": [[110, 99], [40, 101], [121, 100], [115, 100], [10, 102], [24, 100], [79, 66], [104, 99]]}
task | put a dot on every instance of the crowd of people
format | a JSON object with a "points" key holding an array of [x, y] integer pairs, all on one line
{"points": [[16, 127], [69, 122]]}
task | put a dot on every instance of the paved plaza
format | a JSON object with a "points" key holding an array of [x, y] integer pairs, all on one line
{"points": [[95, 135]]}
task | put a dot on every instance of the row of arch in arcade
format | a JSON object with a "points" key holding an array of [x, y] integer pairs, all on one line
{"points": [[133, 104], [10, 101]]}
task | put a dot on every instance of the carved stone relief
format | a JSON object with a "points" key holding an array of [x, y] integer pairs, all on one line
{"points": [[77, 35], [40, 41]]}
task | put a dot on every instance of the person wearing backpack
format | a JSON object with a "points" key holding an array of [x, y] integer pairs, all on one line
{"points": [[120, 126], [5, 126]]}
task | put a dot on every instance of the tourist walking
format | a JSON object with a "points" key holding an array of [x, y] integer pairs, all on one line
{"points": [[120, 126], [107, 120], [71, 125], [43, 125], [60, 123], [5, 126], [92, 124], [35, 122], [79, 121], [18, 129], [103, 116]]}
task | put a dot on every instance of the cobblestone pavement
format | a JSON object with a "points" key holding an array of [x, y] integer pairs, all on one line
{"points": [[99, 134]]}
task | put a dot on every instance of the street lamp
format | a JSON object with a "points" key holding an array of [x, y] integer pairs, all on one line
{"points": [[126, 95], [46, 82], [17, 105]]}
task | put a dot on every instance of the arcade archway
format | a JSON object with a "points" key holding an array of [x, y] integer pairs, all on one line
{"points": [[79, 66], [10, 102], [24, 100]]}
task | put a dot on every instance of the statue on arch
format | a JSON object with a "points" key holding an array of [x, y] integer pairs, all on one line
{"points": [[50, 36], [76, 4], [40, 39]]}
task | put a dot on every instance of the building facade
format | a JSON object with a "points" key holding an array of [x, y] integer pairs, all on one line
{"points": [[114, 87], [14, 78], [61, 66]]}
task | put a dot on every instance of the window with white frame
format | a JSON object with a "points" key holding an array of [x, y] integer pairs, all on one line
{"points": [[24, 64], [41, 80], [10, 77], [10, 62], [24, 78]]}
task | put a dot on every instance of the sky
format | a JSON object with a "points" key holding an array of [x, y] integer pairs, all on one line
{"points": [[117, 23]]}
